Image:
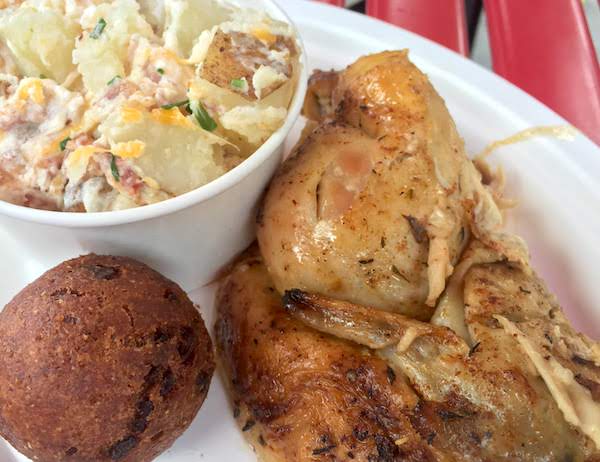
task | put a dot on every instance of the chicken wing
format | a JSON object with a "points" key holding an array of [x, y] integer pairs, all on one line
{"points": [[378, 386], [377, 204], [300, 395], [523, 385]]}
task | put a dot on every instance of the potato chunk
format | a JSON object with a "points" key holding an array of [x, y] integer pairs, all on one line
{"points": [[41, 42], [187, 19], [238, 55], [178, 154], [102, 52]]}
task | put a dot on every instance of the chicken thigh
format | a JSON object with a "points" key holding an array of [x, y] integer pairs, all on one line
{"points": [[376, 205]]}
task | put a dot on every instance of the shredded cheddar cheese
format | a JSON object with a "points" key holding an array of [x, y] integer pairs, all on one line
{"points": [[81, 155], [129, 149], [171, 116], [264, 35], [32, 88], [131, 115]]}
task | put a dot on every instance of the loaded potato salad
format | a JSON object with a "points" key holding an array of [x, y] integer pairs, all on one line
{"points": [[111, 105]]}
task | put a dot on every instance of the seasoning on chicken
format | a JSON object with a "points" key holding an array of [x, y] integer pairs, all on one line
{"points": [[376, 205]]}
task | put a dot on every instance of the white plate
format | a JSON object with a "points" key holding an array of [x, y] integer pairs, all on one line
{"points": [[556, 182]]}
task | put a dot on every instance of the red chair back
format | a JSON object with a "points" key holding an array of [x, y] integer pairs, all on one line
{"points": [[546, 49], [442, 21]]}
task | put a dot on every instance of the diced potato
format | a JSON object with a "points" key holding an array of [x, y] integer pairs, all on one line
{"points": [[154, 12], [102, 58], [187, 19], [239, 55], [40, 41], [223, 99], [178, 155], [255, 124]]}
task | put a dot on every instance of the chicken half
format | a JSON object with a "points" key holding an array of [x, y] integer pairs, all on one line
{"points": [[376, 205], [377, 222], [330, 380]]}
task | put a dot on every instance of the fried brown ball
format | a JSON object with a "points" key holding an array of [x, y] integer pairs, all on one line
{"points": [[101, 359]]}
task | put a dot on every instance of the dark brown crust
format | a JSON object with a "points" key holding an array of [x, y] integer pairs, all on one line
{"points": [[300, 395], [101, 359]]}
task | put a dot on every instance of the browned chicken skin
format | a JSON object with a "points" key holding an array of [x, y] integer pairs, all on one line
{"points": [[497, 374], [375, 206], [300, 395], [397, 389]]}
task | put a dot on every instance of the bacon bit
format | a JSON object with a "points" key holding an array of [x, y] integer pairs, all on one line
{"points": [[130, 180]]}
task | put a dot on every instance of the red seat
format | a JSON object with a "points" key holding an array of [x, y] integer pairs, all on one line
{"points": [[548, 52], [442, 21], [334, 2]]}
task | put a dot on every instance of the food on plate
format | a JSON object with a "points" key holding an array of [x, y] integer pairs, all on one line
{"points": [[376, 205], [112, 105], [521, 385], [465, 356], [299, 395], [103, 359], [373, 385]]}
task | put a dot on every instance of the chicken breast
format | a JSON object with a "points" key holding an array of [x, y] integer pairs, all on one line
{"points": [[377, 204]]}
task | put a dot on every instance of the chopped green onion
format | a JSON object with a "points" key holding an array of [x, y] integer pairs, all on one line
{"points": [[177, 104], [98, 29], [238, 83], [111, 81], [43, 76], [160, 70], [63, 143], [114, 169], [203, 117]]}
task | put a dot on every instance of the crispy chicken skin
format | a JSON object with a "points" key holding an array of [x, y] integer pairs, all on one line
{"points": [[377, 223], [378, 386], [375, 206], [300, 395], [500, 405]]}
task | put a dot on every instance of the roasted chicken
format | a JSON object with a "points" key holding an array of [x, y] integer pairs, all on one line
{"points": [[411, 328], [377, 204], [378, 386]]}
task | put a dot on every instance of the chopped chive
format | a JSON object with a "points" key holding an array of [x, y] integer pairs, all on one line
{"points": [[114, 169], [98, 29], [177, 104], [203, 117], [238, 83], [111, 81], [160, 70], [63, 143]]}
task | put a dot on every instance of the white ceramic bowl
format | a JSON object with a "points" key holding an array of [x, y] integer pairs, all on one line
{"points": [[188, 238]]}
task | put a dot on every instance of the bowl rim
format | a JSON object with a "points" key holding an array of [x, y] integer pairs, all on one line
{"points": [[201, 194]]}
